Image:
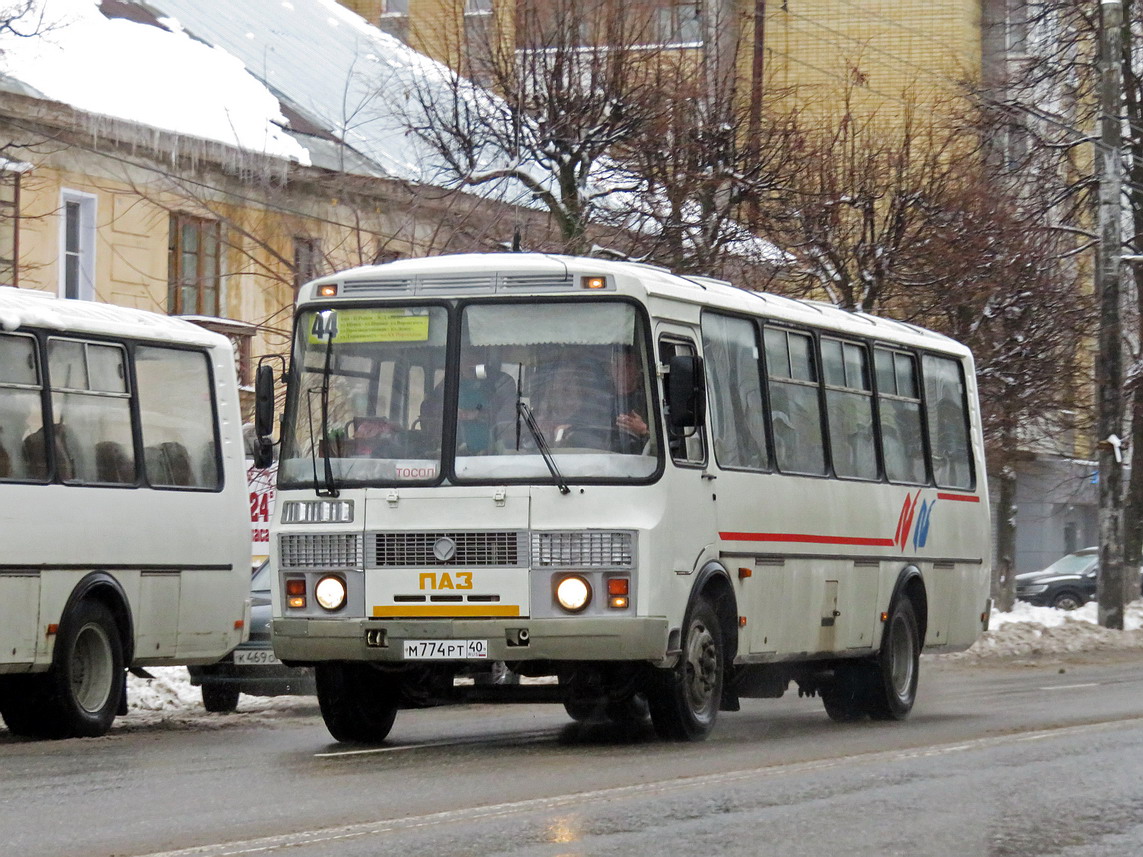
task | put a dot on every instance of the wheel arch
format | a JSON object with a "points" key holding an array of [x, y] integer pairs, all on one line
{"points": [[911, 584], [713, 583], [102, 587]]}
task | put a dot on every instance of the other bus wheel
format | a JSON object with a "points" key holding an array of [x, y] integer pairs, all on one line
{"points": [[220, 697], [898, 664], [358, 703], [684, 701], [22, 699], [846, 698], [85, 683]]}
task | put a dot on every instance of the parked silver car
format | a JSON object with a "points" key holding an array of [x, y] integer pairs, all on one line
{"points": [[251, 668]]}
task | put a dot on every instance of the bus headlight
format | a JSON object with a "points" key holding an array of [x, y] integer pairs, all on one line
{"points": [[573, 593], [330, 592]]}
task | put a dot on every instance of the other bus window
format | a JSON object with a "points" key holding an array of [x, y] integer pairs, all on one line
{"points": [[899, 403], [22, 454], [948, 422], [176, 411], [734, 385], [92, 411], [795, 410], [849, 409]]}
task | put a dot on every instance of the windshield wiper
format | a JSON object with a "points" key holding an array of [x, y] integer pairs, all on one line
{"points": [[331, 489], [524, 411]]}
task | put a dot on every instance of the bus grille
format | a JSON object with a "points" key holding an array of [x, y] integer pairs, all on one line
{"points": [[583, 549], [327, 550], [413, 550]]}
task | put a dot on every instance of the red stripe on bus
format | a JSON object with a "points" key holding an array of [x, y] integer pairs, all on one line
{"points": [[964, 498], [806, 539]]}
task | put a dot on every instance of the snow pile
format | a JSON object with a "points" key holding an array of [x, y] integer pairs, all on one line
{"points": [[170, 701], [1031, 631]]}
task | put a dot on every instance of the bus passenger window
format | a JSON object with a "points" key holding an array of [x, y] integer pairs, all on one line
{"points": [[899, 403], [734, 391], [21, 408], [795, 411], [948, 422], [176, 408], [91, 405], [849, 409]]}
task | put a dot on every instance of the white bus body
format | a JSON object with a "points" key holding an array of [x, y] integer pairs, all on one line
{"points": [[123, 505], [803, 499]]}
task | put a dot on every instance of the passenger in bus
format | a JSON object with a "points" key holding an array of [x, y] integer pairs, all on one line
{"points": [[486, 401], [571, 406], [631, 432]]}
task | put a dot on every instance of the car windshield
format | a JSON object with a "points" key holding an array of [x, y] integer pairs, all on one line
{"points": [[1073, 563]]}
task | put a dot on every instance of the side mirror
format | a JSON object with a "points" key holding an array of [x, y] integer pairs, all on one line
{"points": [[686, 392], [264, 416]]}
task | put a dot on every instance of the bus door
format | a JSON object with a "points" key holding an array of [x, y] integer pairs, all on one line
{"points": [[690, 508]]}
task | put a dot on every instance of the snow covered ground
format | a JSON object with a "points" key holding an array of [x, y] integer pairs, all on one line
{"points": [[169, 701]]}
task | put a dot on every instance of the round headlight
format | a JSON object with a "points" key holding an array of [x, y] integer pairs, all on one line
{"points": [[330, 592], [573, 593]]}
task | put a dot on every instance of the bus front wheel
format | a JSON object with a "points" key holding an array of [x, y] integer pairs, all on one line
{"points": [[684, 701], [358, 703]]}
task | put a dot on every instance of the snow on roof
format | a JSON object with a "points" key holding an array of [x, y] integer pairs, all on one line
{"points": [[32, 308], [144, 74]]}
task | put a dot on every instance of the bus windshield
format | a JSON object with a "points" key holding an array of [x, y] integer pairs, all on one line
{"points": [[538, 392]]}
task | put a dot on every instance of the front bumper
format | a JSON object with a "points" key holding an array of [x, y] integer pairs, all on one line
{"points": [[565, 639]]}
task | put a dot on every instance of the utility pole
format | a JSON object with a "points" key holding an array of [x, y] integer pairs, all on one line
{"points": [[1109, 360]]}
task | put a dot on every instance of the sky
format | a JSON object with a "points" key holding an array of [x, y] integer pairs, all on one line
{"points": [[1027, 632]]}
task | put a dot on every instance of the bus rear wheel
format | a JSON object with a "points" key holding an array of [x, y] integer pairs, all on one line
{"points": [[898, 664], [684, 701], [358, 703]]}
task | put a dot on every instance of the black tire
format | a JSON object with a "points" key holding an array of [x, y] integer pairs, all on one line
{"points": [[358, 703], [1068, 601], [847, 697], [631, 709], [894, 687], [684, 701], [81, 693], [220, 697], [21, 701]]}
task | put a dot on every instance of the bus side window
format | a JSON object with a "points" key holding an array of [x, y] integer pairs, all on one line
{"points": [[734, 391], [689, 448], [21, 408], [948, 422], [795, 409]]}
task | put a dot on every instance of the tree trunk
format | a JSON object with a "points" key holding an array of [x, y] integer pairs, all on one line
{"points": [[1003, 572]]}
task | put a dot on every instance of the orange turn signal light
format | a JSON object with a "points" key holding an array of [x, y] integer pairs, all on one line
{"points": [[329, 290], [617, 586]]}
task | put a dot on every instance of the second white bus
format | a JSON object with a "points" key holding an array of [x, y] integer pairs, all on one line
{"points": [[122, 506], [661, 493]]}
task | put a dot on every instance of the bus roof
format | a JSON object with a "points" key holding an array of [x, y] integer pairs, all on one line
{"points": [[22, 308], [517, 274]]}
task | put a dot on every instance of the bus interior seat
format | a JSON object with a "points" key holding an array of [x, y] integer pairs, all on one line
{"points": [[169, 464], [112, 463], [36, 458]]}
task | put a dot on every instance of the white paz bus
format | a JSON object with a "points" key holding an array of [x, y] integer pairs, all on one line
{"points": [[661, 493], [122, 506]]}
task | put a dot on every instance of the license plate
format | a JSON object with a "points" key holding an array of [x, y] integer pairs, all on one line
{"points": [[255, 657], [444, 650]]}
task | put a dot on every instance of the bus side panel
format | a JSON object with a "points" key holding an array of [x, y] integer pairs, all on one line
{"points": [[19, 620], [156, 635]]}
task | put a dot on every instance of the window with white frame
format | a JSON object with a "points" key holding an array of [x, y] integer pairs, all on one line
{"points": [[77, 245]]}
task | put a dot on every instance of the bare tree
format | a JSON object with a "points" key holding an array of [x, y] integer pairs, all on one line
{"points": [[580, 83]]}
